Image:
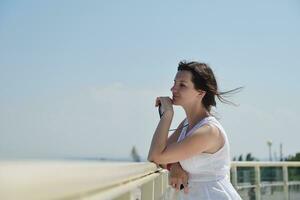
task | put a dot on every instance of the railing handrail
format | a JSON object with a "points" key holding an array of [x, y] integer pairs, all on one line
{"points": [[62, 179], [104, 180], [265, 163]]}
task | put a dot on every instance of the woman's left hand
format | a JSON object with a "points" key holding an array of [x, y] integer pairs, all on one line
{"points": [[178, 176], [166, 103]]}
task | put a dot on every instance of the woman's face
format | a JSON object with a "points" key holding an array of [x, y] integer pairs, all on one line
{"points": [[183, 89]]}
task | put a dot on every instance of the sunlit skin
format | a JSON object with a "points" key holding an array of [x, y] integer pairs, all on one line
{"points": [[185, 95], [204, 139]]}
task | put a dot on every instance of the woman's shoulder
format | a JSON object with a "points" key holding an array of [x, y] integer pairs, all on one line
{"points": [[208, 129], [209, 126], [213, 136]]}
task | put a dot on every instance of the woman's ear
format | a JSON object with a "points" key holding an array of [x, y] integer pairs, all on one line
{"points": [[202, 93]]}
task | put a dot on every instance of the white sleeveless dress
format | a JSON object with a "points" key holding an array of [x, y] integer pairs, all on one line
{"points": [[208, 173]]}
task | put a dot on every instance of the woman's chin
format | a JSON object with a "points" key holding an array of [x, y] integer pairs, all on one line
{"points": [[175, 102]]}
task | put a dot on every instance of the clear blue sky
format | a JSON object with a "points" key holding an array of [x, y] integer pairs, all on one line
{"points": [[79, 78]]}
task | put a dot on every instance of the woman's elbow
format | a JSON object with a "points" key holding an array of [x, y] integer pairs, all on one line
{"points": [[149, 159], [157, 161], [152, 159]]}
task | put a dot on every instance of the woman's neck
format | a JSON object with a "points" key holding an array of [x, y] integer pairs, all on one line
{"points": [[194, 114]]}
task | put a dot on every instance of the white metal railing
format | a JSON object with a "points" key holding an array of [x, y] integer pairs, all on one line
{"points": [[39, 180], [258, 184], [66, 180]]}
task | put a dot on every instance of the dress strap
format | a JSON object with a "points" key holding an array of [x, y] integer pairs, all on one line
{"points": [[183, 131]]}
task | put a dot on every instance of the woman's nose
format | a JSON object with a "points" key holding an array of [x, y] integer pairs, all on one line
{"points": [[172, 88]]}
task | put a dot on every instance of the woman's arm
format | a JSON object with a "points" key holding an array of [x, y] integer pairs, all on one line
{"points": [[177, 176], [203, 139], [173, 138], [160, 137]]}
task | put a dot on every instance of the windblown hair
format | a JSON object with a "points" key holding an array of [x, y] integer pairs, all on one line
{"points": [[204, 79]]}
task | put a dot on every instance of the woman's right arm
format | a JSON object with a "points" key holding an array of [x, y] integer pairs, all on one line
{"points": [[173, 138], [177, 175]]}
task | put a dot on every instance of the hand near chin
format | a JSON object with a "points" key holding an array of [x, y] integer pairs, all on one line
{"points": [[165, 102]]}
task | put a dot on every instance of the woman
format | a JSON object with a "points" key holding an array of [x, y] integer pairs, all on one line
{"points": [[199, 144]]}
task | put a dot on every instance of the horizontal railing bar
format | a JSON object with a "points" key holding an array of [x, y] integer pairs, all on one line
{"points": [[264, 164], [121, 189], [57, 179], [245, 186], [294, 183], [96, 180], [271, 184], [266, 185]]}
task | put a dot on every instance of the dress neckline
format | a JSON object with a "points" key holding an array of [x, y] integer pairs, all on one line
{"points": [[199, 122]]}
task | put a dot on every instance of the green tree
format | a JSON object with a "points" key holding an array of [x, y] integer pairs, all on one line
{"points": [[240, 157], [294, 172], [293, 158], [249, 157]]}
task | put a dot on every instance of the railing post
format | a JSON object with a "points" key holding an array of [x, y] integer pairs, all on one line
{"points": [[285, 182], [234, 176], [158, 187], [165, 184], [257, 182], [148, 191], [126, 196]]}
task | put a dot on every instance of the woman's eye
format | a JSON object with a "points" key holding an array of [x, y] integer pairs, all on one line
{"points": [[182, 85]]}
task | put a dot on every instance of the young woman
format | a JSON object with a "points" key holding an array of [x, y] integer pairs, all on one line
{"points": [[199, 144]]}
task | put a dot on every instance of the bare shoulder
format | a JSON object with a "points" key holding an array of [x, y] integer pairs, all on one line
{"points": [[208, 130], [212, 137]]}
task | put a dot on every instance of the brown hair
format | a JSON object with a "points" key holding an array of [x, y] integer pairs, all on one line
{"points": [[204, 79]]}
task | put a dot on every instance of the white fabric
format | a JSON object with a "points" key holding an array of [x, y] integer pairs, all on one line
{"points": [[208, 173]]}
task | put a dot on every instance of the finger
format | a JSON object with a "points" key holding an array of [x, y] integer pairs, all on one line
{"points": [[185, 180], [186, 187], [179, 182], [157, 101], [169, 99], [172, 182], [165, 99]]}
